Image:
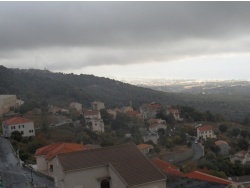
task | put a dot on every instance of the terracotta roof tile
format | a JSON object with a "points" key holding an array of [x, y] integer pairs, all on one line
{"points": [[126, 159], [219, 142], [53, 149], [90, 112], [17, 120], [144, 146], [207, 177], [167, 167], [171, 169], [205, 128]]}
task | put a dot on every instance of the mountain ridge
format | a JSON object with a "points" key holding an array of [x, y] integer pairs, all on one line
{"points": [[61, 88]]}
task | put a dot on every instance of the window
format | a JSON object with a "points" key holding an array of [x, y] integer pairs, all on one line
{"points": [[51, 168], [105, 183], [19, 126], [22, 132], [23, 126]]}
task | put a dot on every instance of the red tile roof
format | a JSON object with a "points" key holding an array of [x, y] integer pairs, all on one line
{"points": [[167, 167], [205, 128], [90, 112], [127, 160], [219, 142], [153, 125], [152, 120], [207, 177], [171, 169], [17, 120], [53, 149], [133, 113], [172, 110], [144, 146]]}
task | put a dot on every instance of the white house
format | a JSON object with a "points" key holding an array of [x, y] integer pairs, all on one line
{"points": [[175, 113], [150, 110], [120, 166], [96, 105], [205, 132], [97, 124], [76, 106], [156, 126], [22, 125], [151, 136], [90, 114], [243, 156]]}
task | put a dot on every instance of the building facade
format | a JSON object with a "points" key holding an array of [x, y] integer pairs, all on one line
{"points": [[97, 105], [6, 103], [122, 166], [22, 125], [205, 132]]}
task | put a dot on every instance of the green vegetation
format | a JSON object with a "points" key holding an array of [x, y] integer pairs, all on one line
{"points": [[36, 86]]}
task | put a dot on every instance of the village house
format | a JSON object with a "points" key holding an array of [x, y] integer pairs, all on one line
{"points": [[23, 125], [243, 157], [224, 147], [97, 105], [90, 114], [154, 120], [156, 126], [205, 132], [151, 136], [134, 114], [150, 110], [45, 154], [6, 103], [145, 148], [93, 117], [112, 113], [175, 113], [97, 125], [76, 105], [120, 166]]}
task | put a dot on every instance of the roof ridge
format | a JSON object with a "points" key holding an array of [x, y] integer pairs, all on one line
{"points": [[98, 149]]}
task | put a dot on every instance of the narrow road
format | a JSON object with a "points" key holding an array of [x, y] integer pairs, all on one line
{"points": [[15, 176], [198, 151]]}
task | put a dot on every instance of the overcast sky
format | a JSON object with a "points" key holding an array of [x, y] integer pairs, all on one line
{"points": [[203, 40]]}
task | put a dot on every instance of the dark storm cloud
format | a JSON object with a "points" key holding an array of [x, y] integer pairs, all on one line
{"points": [[121, 32]]}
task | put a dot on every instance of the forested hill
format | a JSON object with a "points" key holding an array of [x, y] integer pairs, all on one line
{"points": [[61, 89]]}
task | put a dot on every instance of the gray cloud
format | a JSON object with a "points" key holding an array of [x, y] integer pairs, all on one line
{"points": [[78, 34]]}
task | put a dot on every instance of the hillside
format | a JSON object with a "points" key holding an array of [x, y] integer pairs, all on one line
{"points": [[61, 89]]}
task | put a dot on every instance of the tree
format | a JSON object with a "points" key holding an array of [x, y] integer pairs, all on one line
{"points": [[235, 132], [105, 116], [223, 128], [169, 143], [161, 132], [44, 123], [16, 135], [244, 133], [243, 144]]}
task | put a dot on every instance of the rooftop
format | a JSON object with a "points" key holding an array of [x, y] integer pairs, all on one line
{"points": [[144, 146], [205, 128], [219, 142], [53, 149], [126, 159], [17, 120]]}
